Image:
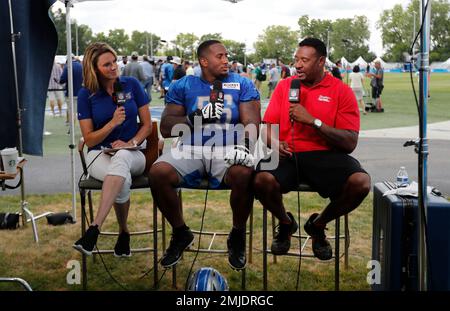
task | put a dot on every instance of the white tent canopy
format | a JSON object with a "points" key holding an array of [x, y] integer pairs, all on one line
{"points": [[345, 62], [360, 62]]}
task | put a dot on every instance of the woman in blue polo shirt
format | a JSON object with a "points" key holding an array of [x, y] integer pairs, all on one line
{"points": [[108, 107]]}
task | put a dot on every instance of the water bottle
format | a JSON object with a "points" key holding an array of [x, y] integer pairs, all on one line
{"points": [[402, 177]]}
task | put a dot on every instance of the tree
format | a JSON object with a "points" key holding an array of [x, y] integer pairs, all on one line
{"points": [[142, 42], [119, 41], [84, 33], [211, 36], [236, 50], [397, 26], [186, 44], [276, 42], [316, 28], [347, 37]]}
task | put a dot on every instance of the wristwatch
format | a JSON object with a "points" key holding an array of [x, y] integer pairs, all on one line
{"points": [[317, 123]]}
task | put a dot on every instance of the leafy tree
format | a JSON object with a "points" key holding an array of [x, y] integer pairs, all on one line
{"points": [[397, 26], [119, 41], [236, 50], [276, 42], [142, 42], [186, 44], [346, 37], [211, 36], [84, 33]]}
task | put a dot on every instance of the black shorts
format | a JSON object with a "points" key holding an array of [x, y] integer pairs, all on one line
{"points": [[325, 171], [376, 91]]}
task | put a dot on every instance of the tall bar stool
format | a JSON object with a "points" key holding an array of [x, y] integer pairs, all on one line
{"points": [[213, 235], [306, 238]]}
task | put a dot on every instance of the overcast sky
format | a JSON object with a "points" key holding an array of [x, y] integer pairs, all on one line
{"points": [[242, 21]]}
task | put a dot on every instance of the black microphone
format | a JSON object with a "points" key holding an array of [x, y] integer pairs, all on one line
{"points": [[118, 94], [216, 94], [294, 91]]}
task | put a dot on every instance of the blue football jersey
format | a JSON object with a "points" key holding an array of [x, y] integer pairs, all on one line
{"points": [[193, 93]]}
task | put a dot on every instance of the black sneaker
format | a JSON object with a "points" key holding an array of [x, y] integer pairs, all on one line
{"points": [[236, 249], [87, 242], [320, 245], [282, 239], [178, 243], [122, 248]]}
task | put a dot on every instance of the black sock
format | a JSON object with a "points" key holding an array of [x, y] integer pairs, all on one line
{"points": [[180, 229]]}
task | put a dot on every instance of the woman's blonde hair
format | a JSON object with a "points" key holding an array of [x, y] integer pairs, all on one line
{"points": [[91, 55]]}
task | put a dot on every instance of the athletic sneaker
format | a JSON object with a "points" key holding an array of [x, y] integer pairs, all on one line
{"points": [[87, 242], [236, 249], [320, 245], [122, 248], [282, 239], [178, 243]]}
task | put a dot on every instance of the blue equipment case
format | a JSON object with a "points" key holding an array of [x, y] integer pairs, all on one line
{"points": [[395, 240]]}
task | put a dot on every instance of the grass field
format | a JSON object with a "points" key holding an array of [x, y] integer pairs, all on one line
{"points": [[44, 265]]}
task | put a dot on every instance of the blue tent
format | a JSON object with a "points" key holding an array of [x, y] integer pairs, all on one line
{"points": [[35, 50]]}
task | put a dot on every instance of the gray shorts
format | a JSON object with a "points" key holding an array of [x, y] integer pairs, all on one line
{"points": [[194, 163]]}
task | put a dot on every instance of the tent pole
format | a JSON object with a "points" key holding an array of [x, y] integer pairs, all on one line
{"points": [[71, 105], [14, 37]]}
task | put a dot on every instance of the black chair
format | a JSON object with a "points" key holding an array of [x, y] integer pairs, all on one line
{"points": [[306, 238], [89, 184]]}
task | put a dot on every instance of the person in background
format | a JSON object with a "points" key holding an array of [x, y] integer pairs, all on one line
{"points": [[104, 123], [377, 84], [134, 69], [55, 90], [148, 69], [122, 64], [274, 76], [188, 68], [357, 85], [178, 70], [336, 70], [77, 74]]}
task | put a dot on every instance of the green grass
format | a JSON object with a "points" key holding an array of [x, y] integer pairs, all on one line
{"points": [[44, 265]]}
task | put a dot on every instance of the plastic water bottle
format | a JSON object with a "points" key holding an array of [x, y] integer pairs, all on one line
{"points": [[402, 177]]}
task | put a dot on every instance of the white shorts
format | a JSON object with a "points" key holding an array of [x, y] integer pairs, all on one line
{"points": [[359, 93], [124, 163], [194, 163], [56, 95]]}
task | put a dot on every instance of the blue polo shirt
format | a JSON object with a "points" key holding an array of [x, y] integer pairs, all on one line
{"points": [[100, 107], [193, 92]]}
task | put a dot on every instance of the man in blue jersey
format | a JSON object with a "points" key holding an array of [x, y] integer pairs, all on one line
{"points": [[167, 74], [213, 145]]}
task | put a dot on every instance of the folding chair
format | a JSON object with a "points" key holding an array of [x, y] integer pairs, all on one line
{"points": [[89, 184], [306, 238]]}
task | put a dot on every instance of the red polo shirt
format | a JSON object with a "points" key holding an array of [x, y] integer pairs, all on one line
{"points": [[331, 101]]}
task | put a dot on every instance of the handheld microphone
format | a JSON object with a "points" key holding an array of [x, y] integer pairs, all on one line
{"points": [[294, 91], [216, 95], [118, 94]]}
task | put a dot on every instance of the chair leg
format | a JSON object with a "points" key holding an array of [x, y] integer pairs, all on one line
{"points": [[250, 239], [264, 249], [273, 234], [155, 245], [347, 241], [83, 230], [336, 254]]}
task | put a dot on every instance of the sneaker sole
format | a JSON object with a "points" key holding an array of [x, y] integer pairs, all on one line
{"points": [[82, 250], [175, 262], [122, 256], [236, 268]]}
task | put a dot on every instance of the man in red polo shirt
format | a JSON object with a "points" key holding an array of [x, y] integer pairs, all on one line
{"points": [[315, 139]]}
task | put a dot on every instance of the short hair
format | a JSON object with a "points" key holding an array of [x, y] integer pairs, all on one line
{"points": [[315, 43], [356, 68], [204, 46]]}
